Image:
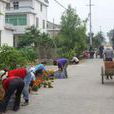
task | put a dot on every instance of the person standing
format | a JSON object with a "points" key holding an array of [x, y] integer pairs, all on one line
{"points": [[108, 54], [12, 85], [101, 48], [62, 64]]}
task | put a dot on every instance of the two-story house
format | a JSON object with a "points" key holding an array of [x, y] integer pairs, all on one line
{"points": [[53, 29], [26, 13], [6, 31]]}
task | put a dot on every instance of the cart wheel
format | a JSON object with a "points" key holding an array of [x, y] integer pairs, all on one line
{"points": [[102, 75]]}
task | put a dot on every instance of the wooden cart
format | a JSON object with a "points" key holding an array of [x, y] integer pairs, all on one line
{"points": [[107, 70]]}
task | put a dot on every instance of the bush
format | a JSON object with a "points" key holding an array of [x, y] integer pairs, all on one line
{"points": [[10, 58], [29, 53]]}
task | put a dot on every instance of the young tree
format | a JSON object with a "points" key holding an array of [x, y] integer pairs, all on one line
{"points": [[98, 40], [72, 36]]}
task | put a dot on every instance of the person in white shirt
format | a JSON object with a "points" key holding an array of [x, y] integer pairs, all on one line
{"points": [[75, 60]]}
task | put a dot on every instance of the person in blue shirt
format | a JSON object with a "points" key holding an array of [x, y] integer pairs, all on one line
{"points": [[39, 70], [27, 80], [62, 65]]}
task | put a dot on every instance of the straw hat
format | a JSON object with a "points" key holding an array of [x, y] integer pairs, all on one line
{"points": [[2, 72]]}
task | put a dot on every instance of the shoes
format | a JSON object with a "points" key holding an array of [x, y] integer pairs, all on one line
{"points": [[16, 108], [107, 77], [25, 103], [111, 77], [50, 86], [2, 108]]}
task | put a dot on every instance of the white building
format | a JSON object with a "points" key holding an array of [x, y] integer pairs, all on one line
{"points": [[26, 13], [53, 29], [6, 32]]}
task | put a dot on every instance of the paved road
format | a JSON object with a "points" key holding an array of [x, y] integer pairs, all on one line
{"points": [[81, 93]]}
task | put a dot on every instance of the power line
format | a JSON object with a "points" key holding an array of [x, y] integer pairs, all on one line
{"points": [[60, 4]]}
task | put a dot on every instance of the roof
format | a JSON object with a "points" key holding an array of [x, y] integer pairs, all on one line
{"points": [[9, 27], [46, 1], [6, 1]]}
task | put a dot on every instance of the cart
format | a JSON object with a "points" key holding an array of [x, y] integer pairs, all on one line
{"points": [[107, 70]]}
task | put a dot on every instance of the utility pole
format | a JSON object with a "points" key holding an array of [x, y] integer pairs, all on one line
{"points": [[90, 24]]}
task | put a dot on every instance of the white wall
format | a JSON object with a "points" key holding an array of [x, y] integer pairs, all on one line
{"points": [[31, 17], [2, 17], [22, 3], [31, 20], [42, 15], [7, 37]]}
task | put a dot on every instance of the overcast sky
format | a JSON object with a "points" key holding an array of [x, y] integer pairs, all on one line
{"points": [[102, 12]]}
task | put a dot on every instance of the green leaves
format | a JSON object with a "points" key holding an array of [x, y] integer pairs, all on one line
{"points": [[41, 42], [11, 57], [72, 38], [98, 40]]}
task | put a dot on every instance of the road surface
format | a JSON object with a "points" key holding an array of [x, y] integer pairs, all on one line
{"points": [[81, 93]]}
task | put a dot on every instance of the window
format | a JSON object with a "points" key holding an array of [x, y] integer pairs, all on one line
{"points": [[16, 5], [16, 20], [8, 6], [41, 7], [43, 24], [37, 22]]}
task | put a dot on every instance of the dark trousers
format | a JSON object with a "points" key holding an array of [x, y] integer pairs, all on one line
{"points": [[108, 59], [15, 86]]}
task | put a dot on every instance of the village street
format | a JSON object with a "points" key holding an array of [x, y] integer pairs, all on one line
{"points": [[81, 93]]}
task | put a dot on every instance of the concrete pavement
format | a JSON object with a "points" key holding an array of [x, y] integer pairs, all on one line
{"points": [[81, 93]]}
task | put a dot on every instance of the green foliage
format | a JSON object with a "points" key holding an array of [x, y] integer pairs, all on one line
{"points": [[1, 13], [72, 39], [110, 34], [10, 58], [98, 40], [41, 42], [46, 46], [31, 37], [29, 53]]}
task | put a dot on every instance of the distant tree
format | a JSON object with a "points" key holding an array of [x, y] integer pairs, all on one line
{"points": [[72, 37], [110, 34], [98, 40]]}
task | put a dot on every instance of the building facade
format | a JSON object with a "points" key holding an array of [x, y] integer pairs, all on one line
{"points": [[25, 13], [53, 29], [6, 31]]}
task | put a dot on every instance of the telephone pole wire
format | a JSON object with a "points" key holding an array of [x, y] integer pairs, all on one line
{"points": [[60, 4]]}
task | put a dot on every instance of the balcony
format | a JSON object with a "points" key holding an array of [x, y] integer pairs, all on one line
{"points": [[22, 9]]}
